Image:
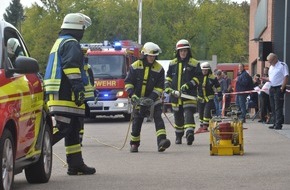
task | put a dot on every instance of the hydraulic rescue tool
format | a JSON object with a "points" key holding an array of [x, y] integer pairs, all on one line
{"points": [[183, 95], [143, 104]]}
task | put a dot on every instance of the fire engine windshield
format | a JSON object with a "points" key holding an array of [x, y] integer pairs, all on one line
{"points": [[108, 66]]}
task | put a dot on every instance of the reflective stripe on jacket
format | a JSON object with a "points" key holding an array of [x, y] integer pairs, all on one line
{"points": [[63, 68], [145, 80]]}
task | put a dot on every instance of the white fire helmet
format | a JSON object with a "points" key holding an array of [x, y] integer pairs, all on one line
{"points": [[12, 45], [205, 65], [182, 44], [76, 21], [151, 48]]}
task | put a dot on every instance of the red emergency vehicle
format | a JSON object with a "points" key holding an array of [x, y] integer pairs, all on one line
{"points": [[110, 64]]}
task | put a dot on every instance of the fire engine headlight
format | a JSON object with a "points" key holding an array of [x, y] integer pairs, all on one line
{"points": [[120, 94], [121, 105]]}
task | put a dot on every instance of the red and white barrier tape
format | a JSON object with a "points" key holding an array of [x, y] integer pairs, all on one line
{"points": [[242, 92]]}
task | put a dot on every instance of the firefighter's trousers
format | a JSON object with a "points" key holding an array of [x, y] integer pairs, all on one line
{"points": [[205, 110], [184, 120], [68, 127], [137, 125]]}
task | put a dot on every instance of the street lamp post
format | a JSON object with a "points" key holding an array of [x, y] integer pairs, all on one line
{"points": [[140, 22]]}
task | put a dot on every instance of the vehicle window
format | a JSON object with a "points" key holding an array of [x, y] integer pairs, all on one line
{"points": [[112, 66], [14, 45]]}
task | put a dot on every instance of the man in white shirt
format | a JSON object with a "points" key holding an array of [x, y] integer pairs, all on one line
{"points": [[278, 76]]}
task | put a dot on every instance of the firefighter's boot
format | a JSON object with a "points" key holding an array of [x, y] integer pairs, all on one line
{"points": [[189, 137], [81, 170], [178, 139], [163, 144], [134, 148]]}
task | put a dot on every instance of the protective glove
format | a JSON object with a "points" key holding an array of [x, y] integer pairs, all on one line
{"points": [[187, 86], [175, 93], [79, 98], [168, 90], [184, 87], [135, 98]]}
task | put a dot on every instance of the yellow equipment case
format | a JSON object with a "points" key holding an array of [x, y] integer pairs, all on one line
{"points": [[226, 136]]}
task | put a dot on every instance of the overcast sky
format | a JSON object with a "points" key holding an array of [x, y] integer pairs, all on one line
{"points": [[27, 3]]}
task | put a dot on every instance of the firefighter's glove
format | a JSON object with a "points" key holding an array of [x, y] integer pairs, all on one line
{"points": [[168, 90], [187, 86], [175, 93], [184, 87], [135, 98], [79, 98]]}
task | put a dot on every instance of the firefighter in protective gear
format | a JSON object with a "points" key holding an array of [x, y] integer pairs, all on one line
{"points": [[208, 86], [182, 76], [91, 94], [65, 89], [13, 49], [145, 80]]}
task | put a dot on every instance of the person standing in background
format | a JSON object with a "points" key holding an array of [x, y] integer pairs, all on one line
{"points": [[244, 83], [278, 76], [264, 99], [226, 86], [217, 99]]}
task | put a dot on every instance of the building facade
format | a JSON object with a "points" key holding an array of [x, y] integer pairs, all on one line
{"points": [[269, 32]]}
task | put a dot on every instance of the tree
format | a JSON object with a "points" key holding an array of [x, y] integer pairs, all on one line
{"points": [[213, 27], [14, 14]]}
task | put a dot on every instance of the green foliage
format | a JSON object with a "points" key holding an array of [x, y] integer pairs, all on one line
{"points": [[14, 14], [213, 27]]}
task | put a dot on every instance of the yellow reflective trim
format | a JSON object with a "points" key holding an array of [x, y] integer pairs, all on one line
{"points": [[146, 74], [189, 125], [160, 90], [55, 50], [68, 71], [168, 79], [64, 103], [135, 138], [55, 130], [73, 149], [160, 132], [179, 81], [178, 127], [204, 88]]}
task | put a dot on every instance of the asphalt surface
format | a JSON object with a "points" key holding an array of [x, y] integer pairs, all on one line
{"points": [[264, 165]]}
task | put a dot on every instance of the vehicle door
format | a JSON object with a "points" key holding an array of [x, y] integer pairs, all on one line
{"points": [[24, 97]]}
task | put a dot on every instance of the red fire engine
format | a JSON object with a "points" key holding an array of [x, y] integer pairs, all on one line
{"points": [[110, 64]]}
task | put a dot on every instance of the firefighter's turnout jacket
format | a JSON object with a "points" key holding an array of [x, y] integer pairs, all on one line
{"points": [[146, 80], [63, 80], [179, 73], [62, 75], [208, 86]]}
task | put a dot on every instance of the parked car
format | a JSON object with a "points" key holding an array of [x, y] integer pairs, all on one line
{"points": [[25, 126]]}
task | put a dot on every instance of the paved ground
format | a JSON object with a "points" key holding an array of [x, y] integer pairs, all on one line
{"points": [[265, 164]]}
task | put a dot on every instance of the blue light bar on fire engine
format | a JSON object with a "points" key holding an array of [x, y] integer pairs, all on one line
{"points": [[117, 45]]}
